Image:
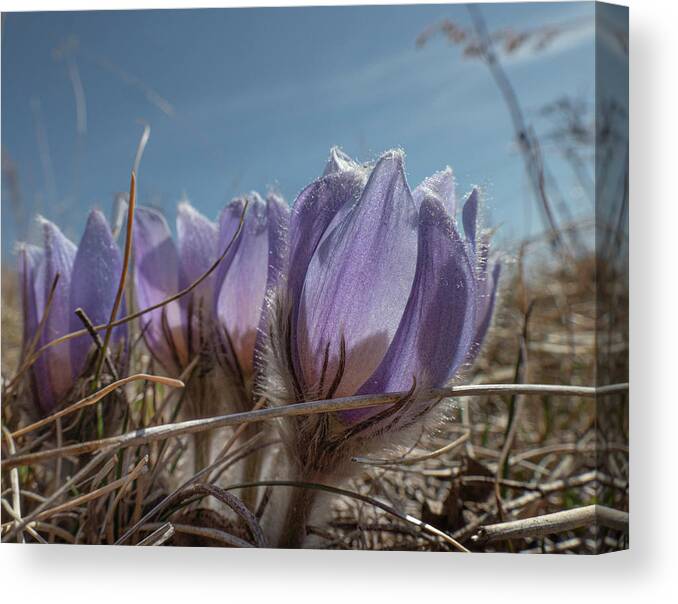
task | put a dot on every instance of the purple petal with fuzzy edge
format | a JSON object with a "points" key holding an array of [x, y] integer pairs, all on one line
{"points": [[53, 369], [96, 274], [469, 217], [278, 217], [278, 221], [438, 326], [313, 211], [242, 289], [324, 202], [30, 257], [339, 162], [197, 238], [486, 300], [440, 185], [358, 282], [157, 276]]}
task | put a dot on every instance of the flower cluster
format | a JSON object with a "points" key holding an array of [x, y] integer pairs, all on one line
{"points": [[363, 287], [55, 280], [229, 302]]}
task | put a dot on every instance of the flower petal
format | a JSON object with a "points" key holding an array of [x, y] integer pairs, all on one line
{"points": [[440, 185], [242, 288], [278, 217], [486, 300], [197, 242], [357, 283], [469, 217], [96, 274], [339, 162], [54, 367], [438, 325], [30, 257], [313, 211], [157, 271]]}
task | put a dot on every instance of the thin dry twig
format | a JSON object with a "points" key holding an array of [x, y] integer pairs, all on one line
{"points": [[154, 433], [557, 522], [96, 397]]}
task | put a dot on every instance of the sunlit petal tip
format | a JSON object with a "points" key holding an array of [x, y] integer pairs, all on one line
{"points": [[440, 185], [339, 161], [470, 216]]}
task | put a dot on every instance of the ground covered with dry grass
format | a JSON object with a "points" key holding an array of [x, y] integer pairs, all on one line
{"points": [[500, 472]]}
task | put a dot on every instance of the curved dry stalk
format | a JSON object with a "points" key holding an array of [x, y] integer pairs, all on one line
{"points": [[408, 461], [155, 433], [232, 502], [96, 397], [360, 497], [167, 500], [198, 531]]}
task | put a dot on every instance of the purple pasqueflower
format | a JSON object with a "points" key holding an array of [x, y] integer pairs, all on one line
{"points": [[383, 292], [252, 268], [88, 278], [176, 332], [229, 302]]}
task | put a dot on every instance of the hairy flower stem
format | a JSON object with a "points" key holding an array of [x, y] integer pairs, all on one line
{"points": [[298, 513]]}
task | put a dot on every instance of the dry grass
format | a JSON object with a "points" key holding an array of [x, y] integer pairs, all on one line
{"points": [[493, 459]]}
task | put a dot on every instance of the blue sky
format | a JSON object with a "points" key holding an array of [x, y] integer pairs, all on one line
{"points": [[241, 99]]}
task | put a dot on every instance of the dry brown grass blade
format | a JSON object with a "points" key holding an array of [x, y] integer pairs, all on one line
{"points": [[96, 397], [109, 488], [101, 457]]}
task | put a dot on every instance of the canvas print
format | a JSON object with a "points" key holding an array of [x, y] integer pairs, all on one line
{"points": [[317, 277]]}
